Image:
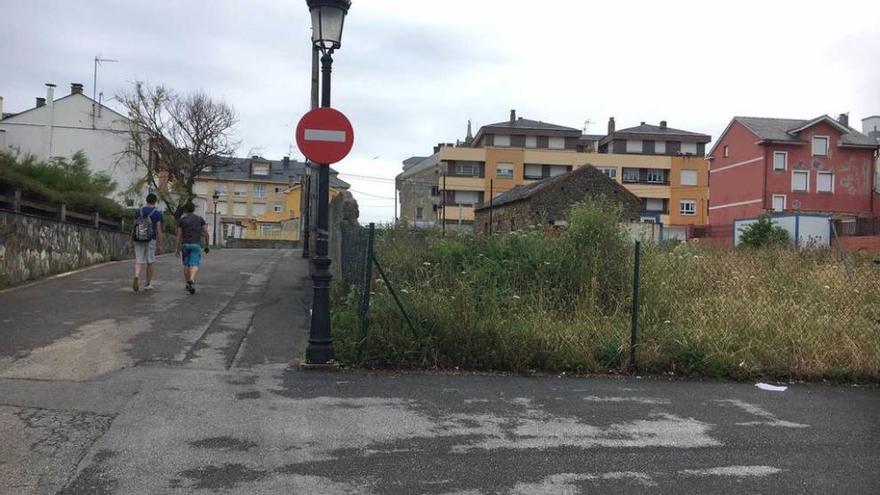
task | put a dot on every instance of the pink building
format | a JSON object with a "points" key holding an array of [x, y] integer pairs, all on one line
{"points": [[813, 166]]}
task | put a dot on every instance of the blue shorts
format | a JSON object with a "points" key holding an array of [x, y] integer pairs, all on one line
{"points": [[192, 254]]}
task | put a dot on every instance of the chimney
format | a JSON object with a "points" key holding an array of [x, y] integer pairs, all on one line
{"points": [[663, 124], [611, 126], [1, 108], [50, 93], [41, 102], [255, 157], [643, 123], [844, 119], [512, 115], [76, 88], [286, 161]]}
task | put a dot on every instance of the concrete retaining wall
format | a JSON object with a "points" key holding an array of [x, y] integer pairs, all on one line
{"points": [[261, 244], [33, 247]]}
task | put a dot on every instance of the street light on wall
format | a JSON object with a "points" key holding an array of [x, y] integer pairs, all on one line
{"points": [[328, 18], [216, 197]]}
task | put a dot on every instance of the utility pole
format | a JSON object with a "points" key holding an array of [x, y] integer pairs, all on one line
{"points": [[306, 190], [443, 199], [491, 197]]}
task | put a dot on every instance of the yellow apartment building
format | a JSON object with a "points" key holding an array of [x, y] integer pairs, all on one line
{"points": [[257, 198], [662, 166]]}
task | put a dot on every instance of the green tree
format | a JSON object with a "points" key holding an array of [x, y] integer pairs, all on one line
{"points": [[763, 233]]}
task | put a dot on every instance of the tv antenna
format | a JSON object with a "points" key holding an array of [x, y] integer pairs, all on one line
{"points": [[587, 123], [98, 61]]}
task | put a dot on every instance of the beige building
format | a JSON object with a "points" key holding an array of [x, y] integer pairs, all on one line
{"points": [[257, 198], [444, 188]]}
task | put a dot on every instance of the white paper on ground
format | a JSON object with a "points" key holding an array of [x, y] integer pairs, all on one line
{"points": [[771, 388]]}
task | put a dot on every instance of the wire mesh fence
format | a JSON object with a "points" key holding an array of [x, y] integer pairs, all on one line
{"points": [[528, 301]]}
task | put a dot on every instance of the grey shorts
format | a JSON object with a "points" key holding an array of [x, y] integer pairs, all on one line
{"points": [[145, 252]]}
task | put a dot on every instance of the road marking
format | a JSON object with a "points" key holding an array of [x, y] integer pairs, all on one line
{"points": [[640, 400], [325, 135], [768, 418], [738, 471]]}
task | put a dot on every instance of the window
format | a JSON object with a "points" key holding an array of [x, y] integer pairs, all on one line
{"points": [[278, 190], [558, 170], [466, 169], [687, 207], [653, 204], [633, 146], [630, 175], [556, 143], [270, 229], [689, 177], [502, 140], [780, 160], [260, 190], [504, 171], [825, 182], [820, 145], [467, 197], [531, 141], [240, 190], [726, 151], [277, 207], [262, 169], [800, 180], [200, 188], [660, 147], [779, 202], [533, 171], [259, 209], [221, 208], [419, 213], [221, 189], [656, 176], [689, 148], [609, 171], [240, 209], [435, 191]]}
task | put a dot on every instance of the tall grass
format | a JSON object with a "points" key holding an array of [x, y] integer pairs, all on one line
{"points": [[560, 301]]}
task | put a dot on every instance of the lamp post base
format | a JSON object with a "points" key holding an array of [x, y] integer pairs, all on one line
{"points": [[320, 353]]}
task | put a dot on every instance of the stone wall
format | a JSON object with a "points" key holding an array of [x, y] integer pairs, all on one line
{"points": [[32, 247], [415, 192], [343, 220], [233, 243], [550, 204]]}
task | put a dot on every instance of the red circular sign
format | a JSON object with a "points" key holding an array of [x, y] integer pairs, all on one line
{"points": [[324, 135]]}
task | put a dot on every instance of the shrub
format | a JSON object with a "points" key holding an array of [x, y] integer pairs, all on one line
{"points": [[763, 233]]}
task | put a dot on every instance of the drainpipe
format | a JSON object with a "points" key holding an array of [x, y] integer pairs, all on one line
{"points": [[50, 120], [765, 171]]}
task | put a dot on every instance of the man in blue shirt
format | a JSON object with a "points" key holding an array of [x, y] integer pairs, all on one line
{"points": [[145, 250]]}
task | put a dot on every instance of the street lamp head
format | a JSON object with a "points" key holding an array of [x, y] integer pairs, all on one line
{"points": [[328, 17], [216, 195]]}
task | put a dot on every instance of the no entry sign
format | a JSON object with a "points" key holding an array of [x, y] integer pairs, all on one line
{"points": [[324, 135]]}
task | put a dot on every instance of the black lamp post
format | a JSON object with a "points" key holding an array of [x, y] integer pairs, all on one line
{"points": [[216, 197], [328, 17]]}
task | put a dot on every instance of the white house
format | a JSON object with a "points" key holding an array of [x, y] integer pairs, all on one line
{"points": [[61, 127]]}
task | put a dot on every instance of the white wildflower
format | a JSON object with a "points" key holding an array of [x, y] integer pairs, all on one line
{"points": [[404, 291], [515, 296], [667, 322], [427, 263], [826, 286]]}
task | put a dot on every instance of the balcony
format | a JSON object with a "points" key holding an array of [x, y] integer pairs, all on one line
{"points": [[647, 182]]}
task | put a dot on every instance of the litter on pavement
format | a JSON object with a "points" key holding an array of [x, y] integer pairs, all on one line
{"points": [[771, 388]]}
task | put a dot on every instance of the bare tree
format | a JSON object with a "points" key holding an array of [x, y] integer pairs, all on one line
{"points": [[176, 137]]}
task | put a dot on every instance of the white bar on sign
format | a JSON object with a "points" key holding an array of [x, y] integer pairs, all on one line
{"points": [[325, 135]]}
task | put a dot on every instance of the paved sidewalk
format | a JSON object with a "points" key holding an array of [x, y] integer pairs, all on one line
{"points": [[105, 391]]}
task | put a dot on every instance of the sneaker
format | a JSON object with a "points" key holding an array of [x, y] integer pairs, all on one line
{"points": [[191, 287], [134, 285], [148, 287]]}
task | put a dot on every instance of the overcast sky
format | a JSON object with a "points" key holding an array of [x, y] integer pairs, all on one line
{"points": [[411, 73]]}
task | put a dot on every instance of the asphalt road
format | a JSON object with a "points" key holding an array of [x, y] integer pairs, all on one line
{"points": [[106, 391]]}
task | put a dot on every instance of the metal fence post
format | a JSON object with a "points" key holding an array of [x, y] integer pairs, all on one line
{"points": [[364, 310], [634, 336]]}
